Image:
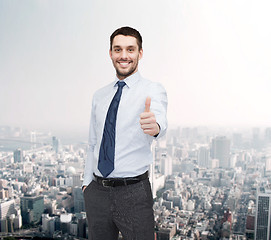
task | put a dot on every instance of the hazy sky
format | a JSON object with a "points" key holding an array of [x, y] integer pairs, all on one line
{"points": [[212, 56]]}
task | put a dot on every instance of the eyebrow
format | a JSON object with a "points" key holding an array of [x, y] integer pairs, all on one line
{"points": [[131, 46]]}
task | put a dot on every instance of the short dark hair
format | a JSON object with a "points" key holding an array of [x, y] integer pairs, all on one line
{"points": [[127, 31]]}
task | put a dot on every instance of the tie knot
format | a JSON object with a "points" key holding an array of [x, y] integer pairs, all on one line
{"points": [[121, 84]]}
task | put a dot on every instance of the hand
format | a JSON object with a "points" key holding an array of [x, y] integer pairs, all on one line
{"points": [[83, 189], [148, 120]]}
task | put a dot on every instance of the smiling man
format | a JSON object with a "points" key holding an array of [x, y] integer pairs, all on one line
{"points": [[126, 116]]}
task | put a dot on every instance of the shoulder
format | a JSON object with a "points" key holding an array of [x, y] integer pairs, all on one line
{"points": [[152, 86], [102, 92]]}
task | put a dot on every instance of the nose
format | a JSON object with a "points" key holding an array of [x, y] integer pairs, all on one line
{"points": [[124, 54]]}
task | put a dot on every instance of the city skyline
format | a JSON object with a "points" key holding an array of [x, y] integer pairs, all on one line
{"points": [[203, 186], [212, 57]]}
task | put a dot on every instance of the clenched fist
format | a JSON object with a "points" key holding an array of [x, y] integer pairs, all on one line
{"points": [[148, 120]]}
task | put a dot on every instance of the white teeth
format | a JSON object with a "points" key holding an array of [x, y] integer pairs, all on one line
{"points": [[124, 63]]}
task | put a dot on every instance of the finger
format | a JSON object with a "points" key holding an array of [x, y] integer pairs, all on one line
{"points": [[147, 120], [146, 115], [148, 126], [149, 132], [147, 104]]}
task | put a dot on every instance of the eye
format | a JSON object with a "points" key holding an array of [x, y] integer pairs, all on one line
{"points": [[130, 50], [117, 49]]}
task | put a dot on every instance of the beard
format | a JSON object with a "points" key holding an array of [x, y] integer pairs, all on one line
{"points": [[130, 71]]}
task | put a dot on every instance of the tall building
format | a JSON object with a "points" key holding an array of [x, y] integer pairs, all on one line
{"points": [[76, 180], [18, 155], [166, 164], [32, 208], [7, 208], [79, 205], [267, 135], [237, 140], [221, 150], [204, 157], [55, 144], [33, 139], [263, 217], [256, 138]]}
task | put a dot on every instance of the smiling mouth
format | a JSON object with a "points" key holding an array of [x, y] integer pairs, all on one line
{"points": [[124, 64]]}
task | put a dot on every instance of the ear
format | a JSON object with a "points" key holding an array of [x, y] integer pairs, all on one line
{"points": [[140, 53], [110, 53]]}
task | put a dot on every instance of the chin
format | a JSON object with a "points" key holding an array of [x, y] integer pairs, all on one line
{"points": [[125, 74]]}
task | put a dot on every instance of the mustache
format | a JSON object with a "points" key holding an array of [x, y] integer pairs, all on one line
{"points": [[124, 60]]}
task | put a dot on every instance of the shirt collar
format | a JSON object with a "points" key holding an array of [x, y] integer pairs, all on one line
{"points": [[130, 81]]}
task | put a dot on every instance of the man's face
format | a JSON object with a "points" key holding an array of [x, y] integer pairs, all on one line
{"points": [[125, 55]]}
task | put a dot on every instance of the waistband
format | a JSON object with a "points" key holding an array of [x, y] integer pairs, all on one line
{"points": [[116, 182]]}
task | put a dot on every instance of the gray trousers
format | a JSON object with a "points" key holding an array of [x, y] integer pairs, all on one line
{"points": [[127, 209]]}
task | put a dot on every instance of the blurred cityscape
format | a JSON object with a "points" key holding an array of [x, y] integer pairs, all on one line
{"points": [[208, 183]]}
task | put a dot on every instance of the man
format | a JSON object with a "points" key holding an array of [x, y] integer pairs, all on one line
{"points": [[126, 116]]}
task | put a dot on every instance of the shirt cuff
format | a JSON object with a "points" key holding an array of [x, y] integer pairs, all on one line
{"points": [[159, 130]]}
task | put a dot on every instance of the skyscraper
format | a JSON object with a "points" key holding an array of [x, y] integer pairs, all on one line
{"points": [[166, 164], [18, 155], [79, 205], [55, 141], [221, 150], [32, 208], [33, 139], [262, 223], [268, 135], [7, 208], [204, 157]]}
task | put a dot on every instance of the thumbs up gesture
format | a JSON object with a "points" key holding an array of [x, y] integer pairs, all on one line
{"points": [[148, 120]]}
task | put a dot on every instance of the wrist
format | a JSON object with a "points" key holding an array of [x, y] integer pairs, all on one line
{"points": [[158, 130]]}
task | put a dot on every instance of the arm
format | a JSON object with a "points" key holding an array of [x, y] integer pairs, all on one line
{"points": [[88, 172], [154, 120]]}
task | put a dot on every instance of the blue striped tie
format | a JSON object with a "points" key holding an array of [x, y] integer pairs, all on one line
{"points": [[107, 148]]}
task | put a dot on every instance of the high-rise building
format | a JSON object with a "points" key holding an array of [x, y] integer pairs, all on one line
{"points": [[33, 139], [263, 217], [256, 138], [221, 150], [18, 155], [267, 135], [32, 208], [237, 140], [82, 226], [76, 180], [204, 157], [78, 197], [55, 144], [7, 208], [166, 164]]}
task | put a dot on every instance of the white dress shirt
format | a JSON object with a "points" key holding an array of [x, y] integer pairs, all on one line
{"points": [[132, 146]]}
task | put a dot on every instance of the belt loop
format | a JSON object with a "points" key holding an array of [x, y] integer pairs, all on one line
{"points": [[125, 182]]}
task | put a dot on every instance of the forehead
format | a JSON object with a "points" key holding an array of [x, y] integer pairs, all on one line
{"points": [[124, 41]]}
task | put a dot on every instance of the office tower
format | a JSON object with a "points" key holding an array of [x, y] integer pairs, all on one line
{"points": [[18, 155], [166, 165], [237, 140], [203, 157], [267, 164], [263, 215], [76, 180], [221, 150], [55, 144], [32, 208], [256, 139], [33, 140], [7, 208], [267, 135], [78, 200], [82, 226]]}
